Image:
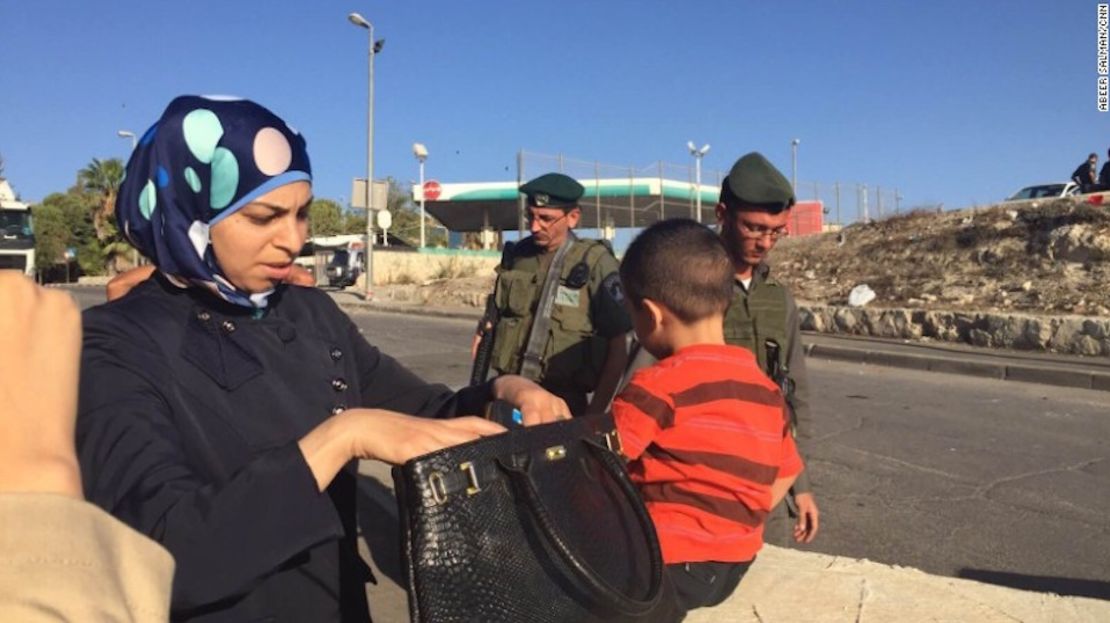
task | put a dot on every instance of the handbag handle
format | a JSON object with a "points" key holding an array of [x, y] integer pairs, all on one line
{"points": [[596, 585]]}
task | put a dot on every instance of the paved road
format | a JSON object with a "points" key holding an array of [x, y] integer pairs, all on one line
{"points": [[1003, 482], [998, 481]]}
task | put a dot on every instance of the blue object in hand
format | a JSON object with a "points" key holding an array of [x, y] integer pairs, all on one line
{"points": [[518, 417]]}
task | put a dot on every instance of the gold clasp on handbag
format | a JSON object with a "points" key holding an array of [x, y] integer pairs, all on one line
{"points": [[613, 441], [438, 487], [472, 477], [554, 453]]}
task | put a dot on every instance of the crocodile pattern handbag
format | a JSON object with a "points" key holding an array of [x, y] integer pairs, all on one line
{"points": [[539, 524]]}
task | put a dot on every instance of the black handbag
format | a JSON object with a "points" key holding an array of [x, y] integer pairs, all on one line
{"points": [[539, 524]]}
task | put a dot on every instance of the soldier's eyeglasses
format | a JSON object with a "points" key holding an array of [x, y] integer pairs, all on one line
{"points": [[544, 220], [757, 232]]}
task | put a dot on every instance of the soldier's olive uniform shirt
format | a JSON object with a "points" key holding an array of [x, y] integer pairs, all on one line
{"points": [[587, 312], [764, 310]]}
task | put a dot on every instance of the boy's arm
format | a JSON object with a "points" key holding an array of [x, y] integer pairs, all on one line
{"points": [[779, 489], [640, 416]]}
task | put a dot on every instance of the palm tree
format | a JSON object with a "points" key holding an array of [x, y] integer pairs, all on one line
{"points": [[102, 178]]}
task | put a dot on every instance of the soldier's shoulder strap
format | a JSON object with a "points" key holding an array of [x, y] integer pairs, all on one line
{"points": [[507, 256], [593, 248]]}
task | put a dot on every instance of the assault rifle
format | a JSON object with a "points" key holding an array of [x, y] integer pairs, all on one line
{"points": [[780, 374], [484, 354]]}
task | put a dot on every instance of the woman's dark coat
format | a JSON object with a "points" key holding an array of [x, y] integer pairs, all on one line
{"points": [[190, 412]]}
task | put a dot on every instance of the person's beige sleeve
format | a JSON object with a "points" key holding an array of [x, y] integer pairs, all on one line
{"points": [[63, 559]]}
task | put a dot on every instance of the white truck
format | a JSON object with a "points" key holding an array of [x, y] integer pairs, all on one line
{"points": [[17, 238]]}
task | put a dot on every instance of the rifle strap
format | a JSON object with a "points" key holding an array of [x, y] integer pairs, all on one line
{"points": [[532, 363]]}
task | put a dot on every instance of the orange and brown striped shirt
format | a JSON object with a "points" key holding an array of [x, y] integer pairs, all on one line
{"points": [[706, 434]]}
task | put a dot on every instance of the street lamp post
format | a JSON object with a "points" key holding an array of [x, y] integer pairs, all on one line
{"points": [[374, 47], [794, 164], [134, 142], [698, 154], [129, 134], [421, 153]]}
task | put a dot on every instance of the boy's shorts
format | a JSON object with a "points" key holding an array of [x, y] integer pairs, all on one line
{"points": [[704, 584]]}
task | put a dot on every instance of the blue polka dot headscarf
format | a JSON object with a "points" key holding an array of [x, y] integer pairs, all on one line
{"points": [[203, 160]]}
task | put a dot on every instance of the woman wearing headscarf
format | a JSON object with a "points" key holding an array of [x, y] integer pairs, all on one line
{"points": [[221, 411]]}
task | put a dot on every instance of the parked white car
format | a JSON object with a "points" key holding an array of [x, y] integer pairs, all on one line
{"points": [[1052, 190]]}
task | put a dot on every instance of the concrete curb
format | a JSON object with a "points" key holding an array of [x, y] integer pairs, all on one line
{"points": [[985, 364], [952, 363], [349, 303]]}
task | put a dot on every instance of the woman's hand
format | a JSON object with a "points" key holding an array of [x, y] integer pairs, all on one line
{"points": [[394, 438], [536, 404], [377, 434]]}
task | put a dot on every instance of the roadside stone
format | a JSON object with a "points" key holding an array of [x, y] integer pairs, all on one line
{"points": [[1087, 346], [810, 320], [964, 323], [1077, 244], [880, 323], [1097, 329], [845, 320], [979, 337], [1035, 334]]}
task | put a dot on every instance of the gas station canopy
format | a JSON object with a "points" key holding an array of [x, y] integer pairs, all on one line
{"points": [[616, 202]]}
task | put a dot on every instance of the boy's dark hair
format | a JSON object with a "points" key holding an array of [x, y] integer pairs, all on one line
{"points": [[681, 264]]}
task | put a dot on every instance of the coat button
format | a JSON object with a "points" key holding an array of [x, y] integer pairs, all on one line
{"points": [[336, 354], [204, 316], [339, 385], [228, 326], [339, 408], [286, 333]]}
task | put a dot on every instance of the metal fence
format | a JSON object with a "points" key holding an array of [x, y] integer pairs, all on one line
{"points": [[852, 202], [844, 202]]}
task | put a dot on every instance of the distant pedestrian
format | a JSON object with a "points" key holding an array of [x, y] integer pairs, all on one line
{"points": [[704, 428], [1104, 174], [1086, 174]]}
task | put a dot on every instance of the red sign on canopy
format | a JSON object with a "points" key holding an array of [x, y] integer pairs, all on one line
{"points": [[432, 189]]}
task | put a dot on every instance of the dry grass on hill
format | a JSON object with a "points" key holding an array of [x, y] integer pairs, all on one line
{"points": [[1050, 258]]}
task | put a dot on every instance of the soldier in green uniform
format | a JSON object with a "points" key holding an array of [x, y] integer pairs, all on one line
{"points": [[752, 213], [560, 315]]}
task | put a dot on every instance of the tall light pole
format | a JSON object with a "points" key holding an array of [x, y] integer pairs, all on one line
{"points": [[128, 134], [698, 154], [374, 47], [134, 142], [421, 153], [794, 164]]}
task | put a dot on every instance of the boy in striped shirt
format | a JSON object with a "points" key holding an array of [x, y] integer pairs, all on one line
{"points": [[704, 429]]}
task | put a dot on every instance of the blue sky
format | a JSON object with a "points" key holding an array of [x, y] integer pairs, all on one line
{"points": [[952, 102]]}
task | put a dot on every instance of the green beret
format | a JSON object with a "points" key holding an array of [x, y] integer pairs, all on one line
{"points": [[754, 181], [553, 190]]}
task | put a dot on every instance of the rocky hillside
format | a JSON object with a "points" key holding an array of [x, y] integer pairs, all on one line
{"points": [[1050, 259], [1042, 259]]}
